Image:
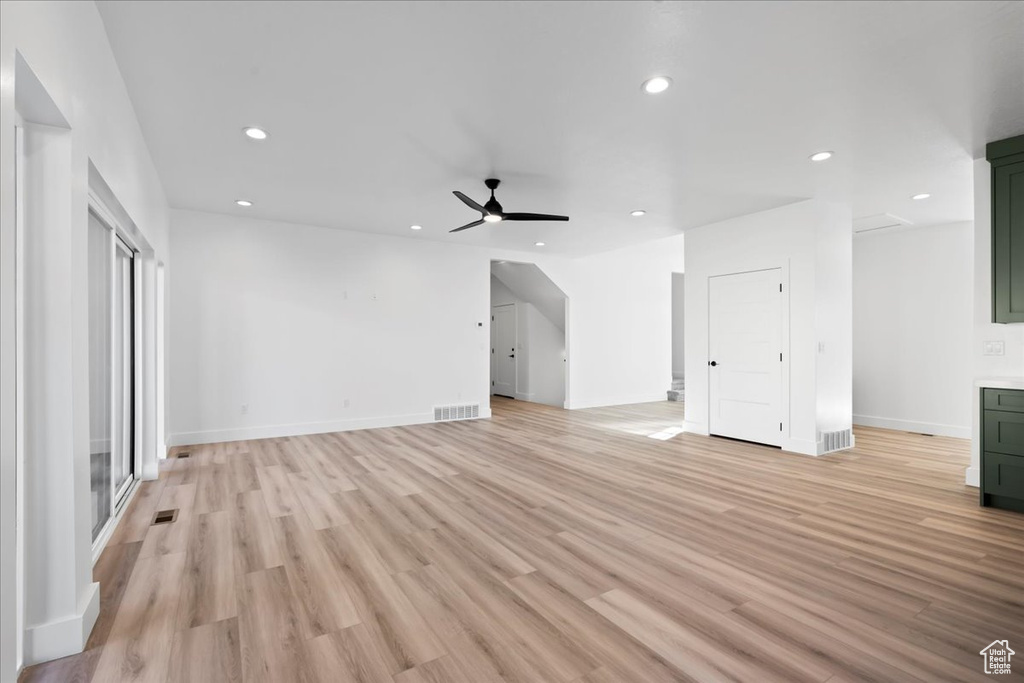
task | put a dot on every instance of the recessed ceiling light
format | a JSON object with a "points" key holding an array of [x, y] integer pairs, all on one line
{"points": [[923, 195], [821, 156], [492, 218], [415, 227], [243, 202], [637, 213], [657, 84], [255, 133], [538, 244]]}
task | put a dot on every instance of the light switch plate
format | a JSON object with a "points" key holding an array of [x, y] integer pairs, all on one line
{"points": [[994, 348]]}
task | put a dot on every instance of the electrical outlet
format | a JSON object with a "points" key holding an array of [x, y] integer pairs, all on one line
{"points": [[994, 348], [245, 409]]}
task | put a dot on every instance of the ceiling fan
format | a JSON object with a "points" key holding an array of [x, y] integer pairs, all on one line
{"points": [[491, 212]]}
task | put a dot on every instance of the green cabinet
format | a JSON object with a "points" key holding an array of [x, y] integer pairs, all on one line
{"points": [[1007, 160], [1002, 449]]}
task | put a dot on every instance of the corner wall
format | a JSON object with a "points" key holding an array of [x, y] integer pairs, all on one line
{"points": [[811, 242], [912, 307], [1011, 363], [65, 48], [292, 320]]}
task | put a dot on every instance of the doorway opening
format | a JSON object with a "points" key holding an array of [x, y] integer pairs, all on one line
{"points": [[528, 335], [677, 392]]}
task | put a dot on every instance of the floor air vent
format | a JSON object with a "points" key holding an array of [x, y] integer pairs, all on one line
{"points": [[184, 454], [449, 413], [836, 441], [165, 517]]}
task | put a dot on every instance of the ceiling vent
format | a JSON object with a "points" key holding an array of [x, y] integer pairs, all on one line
{"points": [[882, 221], [449, 413]]}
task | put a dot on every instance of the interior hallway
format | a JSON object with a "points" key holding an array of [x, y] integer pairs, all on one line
{"points": [[552, 545]]}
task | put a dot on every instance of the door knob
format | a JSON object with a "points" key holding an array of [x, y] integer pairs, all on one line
{"points": [[713, 363]]}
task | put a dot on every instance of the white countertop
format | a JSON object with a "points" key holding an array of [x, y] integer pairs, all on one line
{"points": [[1000, 383]]}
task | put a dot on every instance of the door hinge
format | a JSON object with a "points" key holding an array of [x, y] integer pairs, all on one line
{"points": [[780, 286], [780, 426], [492, 350], [780, 357], [492, 318]]}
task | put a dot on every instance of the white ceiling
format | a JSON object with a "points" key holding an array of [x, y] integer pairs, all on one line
{"points": [[377, 111]]}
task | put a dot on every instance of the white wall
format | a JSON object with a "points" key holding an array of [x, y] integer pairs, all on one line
{"points": [[620, 322], [811, 242], [318, 330], [678, 325], [530, 283], [1011, 364], [912, 330], [259, 317], [540, 350], [66, 53]]}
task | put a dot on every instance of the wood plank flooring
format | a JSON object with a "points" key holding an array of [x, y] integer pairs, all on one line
{"points": [[558, 547]]}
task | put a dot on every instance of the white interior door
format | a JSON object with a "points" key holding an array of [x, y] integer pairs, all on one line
{"points": [[745, 356], [503, 350]]}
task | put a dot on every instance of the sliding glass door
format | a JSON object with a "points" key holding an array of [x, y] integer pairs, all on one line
{"points": [[111, 370]]}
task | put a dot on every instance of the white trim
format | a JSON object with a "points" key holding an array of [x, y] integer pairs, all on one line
{"points": [[108, 529], [801, 447], [300, 429], [972, 477], [65, 636], [912, 426], [658, 397]]}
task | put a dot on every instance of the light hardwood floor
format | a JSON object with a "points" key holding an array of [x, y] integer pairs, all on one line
{"points": [[554, 546]]}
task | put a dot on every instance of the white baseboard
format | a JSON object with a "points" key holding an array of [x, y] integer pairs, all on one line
{"points": [[577, 404], [972, 477], [691, 427], [65, 636], [275, 431], [910, 426], [800, 447]]}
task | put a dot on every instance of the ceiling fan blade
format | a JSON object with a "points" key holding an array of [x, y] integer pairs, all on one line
{"points": [[533, 217], [467, 226], [469, 202]]}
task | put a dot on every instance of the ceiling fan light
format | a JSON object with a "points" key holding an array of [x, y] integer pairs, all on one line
{"points": [[492, 218]]}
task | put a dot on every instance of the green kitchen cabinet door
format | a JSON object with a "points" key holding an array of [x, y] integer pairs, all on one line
{"points": [[1008, 231]]}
